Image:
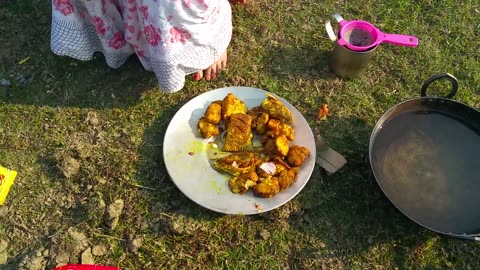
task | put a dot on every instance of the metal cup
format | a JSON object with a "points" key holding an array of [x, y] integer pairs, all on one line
{"points": [[347, 63], [343, 61]]}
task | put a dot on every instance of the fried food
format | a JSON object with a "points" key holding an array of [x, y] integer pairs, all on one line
{"points": [[277, 146], [239, 133], [255, 113], [268, 169], [280, 166], [287, 177], [213, 114], [207, 129], [276, 109], [232, 105], [274, 127], [238, 163], [261, 126], [267, 188], [288, 131], [242, 183], [297, 155]]}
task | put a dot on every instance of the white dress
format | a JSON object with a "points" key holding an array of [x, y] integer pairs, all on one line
{"points": [[172, 38]]}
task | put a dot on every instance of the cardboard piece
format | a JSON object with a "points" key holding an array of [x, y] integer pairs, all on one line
{"points": [[327, 158]]}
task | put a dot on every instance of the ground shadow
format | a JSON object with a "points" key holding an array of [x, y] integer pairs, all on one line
{"points": [[66, 82], [307, 63]]}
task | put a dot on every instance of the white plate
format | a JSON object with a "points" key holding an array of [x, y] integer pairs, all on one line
{"points": [[185, 156]]}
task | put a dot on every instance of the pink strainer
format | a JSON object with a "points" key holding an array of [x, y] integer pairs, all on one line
{"points": [[360, 35]]}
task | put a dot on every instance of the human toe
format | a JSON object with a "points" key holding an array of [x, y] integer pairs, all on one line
{"points": [[198, 76], [208, 74]]}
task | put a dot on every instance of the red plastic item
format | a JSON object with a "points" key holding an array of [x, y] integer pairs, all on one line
{"points": [[85, 267]]}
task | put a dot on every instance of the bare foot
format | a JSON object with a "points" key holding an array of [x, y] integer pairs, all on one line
{"points": [[211, 72]]}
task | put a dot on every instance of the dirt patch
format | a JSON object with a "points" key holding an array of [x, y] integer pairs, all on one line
{"points": [[112, 213], [68, 166], [3, 252]]}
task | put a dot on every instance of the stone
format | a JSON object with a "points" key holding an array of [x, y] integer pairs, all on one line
{"points": [[136, 244], [70, 167], [3, 252], [62, 258], [3, 211], [79, 241], [36, 263], [87, 257], [99, 250], [132, 243], [264, 234], [92, 119], [113, 212]]}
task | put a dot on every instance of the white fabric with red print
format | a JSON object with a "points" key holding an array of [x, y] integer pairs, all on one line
{"points": [[172, 38]]}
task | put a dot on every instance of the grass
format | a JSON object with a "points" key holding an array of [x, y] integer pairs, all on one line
{"points": [[342, 221]]}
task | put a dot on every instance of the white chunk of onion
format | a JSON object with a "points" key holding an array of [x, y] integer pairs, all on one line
{"points": [[210, 140], [268, 167]]}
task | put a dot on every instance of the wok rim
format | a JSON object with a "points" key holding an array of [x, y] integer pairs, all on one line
{"points": [[379, 124]]}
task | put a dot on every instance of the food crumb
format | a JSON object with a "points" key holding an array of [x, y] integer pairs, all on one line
{"points": [[323, 113], [259, 209]]}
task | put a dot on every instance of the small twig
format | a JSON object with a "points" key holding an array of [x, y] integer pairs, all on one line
{"points": [[167, 215], [109, 236], [140, 186], [156, 243]]}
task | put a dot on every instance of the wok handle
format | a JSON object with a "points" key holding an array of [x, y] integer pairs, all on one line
{"points": [[447, 76]]}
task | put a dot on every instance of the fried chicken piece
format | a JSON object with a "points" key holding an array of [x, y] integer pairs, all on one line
{"points": [[277, 127], [242, 183], [276, 109], [213, 114], [280, 166], [288, 131], [287, 177], [274, 127], [297, 155], [276, 146], [238, 163], [261, 125], [239, 133], [267, 188], [232, 105], [255, 113], [207, 129]]}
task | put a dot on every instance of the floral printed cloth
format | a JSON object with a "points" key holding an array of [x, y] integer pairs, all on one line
{"points": [[172, 38]]}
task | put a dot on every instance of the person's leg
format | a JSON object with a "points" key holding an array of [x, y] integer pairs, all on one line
{"points": [[211, 72]]}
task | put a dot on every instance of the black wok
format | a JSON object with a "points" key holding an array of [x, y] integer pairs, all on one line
{"points": [[425, 155]]}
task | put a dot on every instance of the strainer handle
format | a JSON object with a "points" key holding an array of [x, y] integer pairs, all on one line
{"points": [[398, 39]]}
